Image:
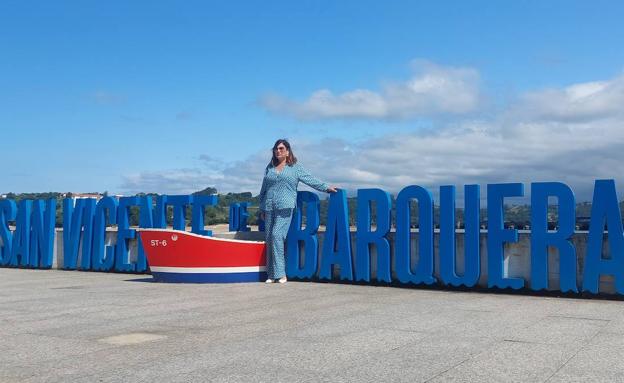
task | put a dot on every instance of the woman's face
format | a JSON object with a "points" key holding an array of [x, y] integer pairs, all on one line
{"points": [[281, 152]]}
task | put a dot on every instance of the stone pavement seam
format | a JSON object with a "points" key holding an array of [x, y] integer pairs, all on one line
{"points": [[400, 329], [454, 366], [526, 342], [584, 344], [579, 318]]}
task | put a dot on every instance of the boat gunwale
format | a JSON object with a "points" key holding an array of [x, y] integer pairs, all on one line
{"points": [[199, 235]]}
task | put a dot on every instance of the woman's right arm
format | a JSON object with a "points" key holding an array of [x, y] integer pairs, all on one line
{"points": [[262, 195]]}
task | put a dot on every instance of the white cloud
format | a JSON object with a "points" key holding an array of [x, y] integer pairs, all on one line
{"points": [[236, 177], [433, 90], [575, 103], [477, 152], [543, 137]]}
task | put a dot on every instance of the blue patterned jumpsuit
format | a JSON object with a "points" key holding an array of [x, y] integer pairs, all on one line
{"points": [[278, 198]]}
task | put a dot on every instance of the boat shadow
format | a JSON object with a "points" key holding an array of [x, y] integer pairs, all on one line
{"points": [[144, 280]]}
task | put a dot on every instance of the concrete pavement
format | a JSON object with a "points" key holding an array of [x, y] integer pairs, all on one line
{"points": [[61, 326]]}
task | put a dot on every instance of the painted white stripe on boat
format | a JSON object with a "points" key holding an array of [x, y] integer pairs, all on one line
{"points": [[208, 270]]}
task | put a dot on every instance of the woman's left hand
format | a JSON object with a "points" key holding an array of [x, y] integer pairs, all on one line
{"points": [[332, 189]]}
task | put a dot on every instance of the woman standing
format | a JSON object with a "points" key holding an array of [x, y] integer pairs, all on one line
{"points": [[278, 198]]}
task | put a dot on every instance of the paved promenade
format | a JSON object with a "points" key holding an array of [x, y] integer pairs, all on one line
{"points": [[61, 326]]}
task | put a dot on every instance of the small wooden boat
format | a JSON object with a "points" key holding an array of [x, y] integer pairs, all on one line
{"points": [[181, 257]]}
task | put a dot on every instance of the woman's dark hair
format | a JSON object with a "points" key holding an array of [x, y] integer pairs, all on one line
{"points": [[290, 160]]}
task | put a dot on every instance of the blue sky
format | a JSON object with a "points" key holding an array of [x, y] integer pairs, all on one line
{"points": [[172, 97]]}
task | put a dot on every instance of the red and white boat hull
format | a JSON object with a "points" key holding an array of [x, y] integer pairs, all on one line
{"points": [[182, 257]]}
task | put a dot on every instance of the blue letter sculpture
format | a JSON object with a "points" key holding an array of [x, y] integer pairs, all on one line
{"points": [[8, 212], [472, 260], [21, 237], [337, 242], [604, 208], [77, 223], [87, 234], [146, 221], [199, 207], [307, 235], [233, 221], [160, 212], [124, 234], [365, 237], [42, 236], [403, 258], [498, 235], [179, 203], [103, 254], [541, 239]]}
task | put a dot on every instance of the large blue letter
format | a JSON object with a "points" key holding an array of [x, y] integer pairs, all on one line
{"points": [[124, 234], [87, 234], [21, 237], [75, 218], [604, 207], [42, 236], [197, 218], [160, 212], [365, 237], [179, 203], [8, 212], [243, 215], [498, 235], [403, 258], [307, 235], [541, 238], [472, 261], [234, 216], [146, 220], [337, 242], [103, 255], [72, 228]]}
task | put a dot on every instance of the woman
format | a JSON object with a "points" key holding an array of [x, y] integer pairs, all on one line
{"points": [[278, 198]]}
